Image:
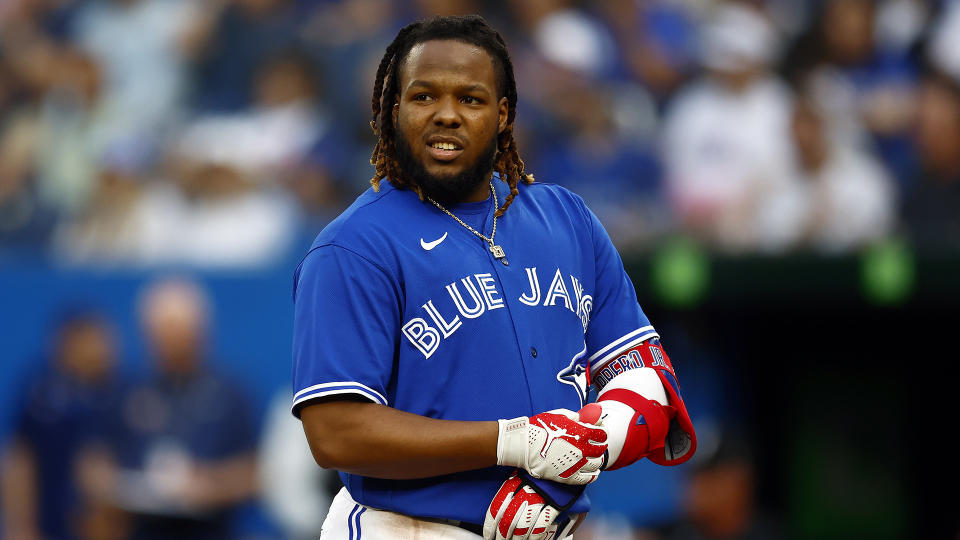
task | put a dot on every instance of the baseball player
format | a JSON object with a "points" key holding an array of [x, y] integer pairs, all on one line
{"points": [[448, 324]]}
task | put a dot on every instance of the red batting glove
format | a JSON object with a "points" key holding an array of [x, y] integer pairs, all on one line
{"points": [[518, 512]]}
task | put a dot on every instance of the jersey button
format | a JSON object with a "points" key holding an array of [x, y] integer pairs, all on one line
{"points": [[533, 352]]}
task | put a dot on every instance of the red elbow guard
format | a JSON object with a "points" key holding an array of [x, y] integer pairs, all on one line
{"points": [[669, 438]]}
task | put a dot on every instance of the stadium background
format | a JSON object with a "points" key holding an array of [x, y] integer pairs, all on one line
{"points": [[806, 305]]}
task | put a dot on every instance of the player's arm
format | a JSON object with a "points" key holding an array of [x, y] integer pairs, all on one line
{"points": [[373, 440], [642, 410], [369, 439]]}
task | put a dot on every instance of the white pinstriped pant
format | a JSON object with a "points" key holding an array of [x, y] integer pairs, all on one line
{"points": [[349, 520]]}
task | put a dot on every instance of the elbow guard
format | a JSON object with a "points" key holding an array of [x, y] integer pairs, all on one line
{"points": [[642, 410]]}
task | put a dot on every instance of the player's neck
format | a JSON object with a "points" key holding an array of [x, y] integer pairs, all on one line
{"points": [[482, 191]]}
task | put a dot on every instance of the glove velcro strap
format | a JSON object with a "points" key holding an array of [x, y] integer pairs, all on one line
{"points": [[557, 495], [649, 416], [512, 442]]}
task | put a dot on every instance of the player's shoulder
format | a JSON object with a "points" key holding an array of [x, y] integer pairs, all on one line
{"points": [[368, 229], [373, 222], [359, 217], [553, 199], [543, 191]]}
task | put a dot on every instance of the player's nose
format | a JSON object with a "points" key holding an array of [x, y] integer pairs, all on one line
{"points": [[446, 113]]}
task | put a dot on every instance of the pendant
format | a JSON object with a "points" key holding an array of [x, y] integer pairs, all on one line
{"points": [[499, 254]]}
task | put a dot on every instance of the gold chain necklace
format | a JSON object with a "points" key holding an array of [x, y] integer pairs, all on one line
{"points": [[496, 250]]}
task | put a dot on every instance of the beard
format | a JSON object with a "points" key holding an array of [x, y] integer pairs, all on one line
{"points": [[450, 189]]}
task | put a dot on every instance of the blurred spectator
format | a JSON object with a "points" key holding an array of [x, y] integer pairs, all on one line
{"points": [[70, 137], [50, 143], [901, 24], [273, 134], [212, 215], [839, 198], [573, 39], [225, 204], [944, 46], [230, 40], [61, 426], [295, 491], [52, 18], [618, 176], [185, 456], [720, 503], [931, 210], [726, 135], [24, 224], [347, 39], [106, 231], [427, 8], [865, 86], [138, 44], [590, 130], [657, 40]]}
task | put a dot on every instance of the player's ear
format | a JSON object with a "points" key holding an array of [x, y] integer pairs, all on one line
{"points": [[503, 107], [396, 108]]}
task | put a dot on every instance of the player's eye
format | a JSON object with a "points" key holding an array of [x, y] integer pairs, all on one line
{"points": [[470, 100], [421, 97]]}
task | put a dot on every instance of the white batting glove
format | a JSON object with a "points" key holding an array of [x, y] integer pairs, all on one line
{"points": [[518, 512], [553, 446]]}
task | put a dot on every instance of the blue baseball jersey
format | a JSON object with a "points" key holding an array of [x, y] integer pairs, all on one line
{"points": [[400, 304]]}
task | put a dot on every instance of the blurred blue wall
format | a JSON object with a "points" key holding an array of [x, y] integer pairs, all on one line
{"points": [[249, 335]]}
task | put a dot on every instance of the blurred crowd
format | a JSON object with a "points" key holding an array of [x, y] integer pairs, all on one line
{"points": [[98, 453], [226, 133]]}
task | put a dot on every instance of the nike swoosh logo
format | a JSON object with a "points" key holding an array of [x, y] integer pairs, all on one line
{"points": [[430, 245]]}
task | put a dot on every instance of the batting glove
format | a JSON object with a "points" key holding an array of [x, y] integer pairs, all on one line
{"points": [[519, 511], [553, 446]]}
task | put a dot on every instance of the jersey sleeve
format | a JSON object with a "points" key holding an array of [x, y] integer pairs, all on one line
{"points": [[616, 321], [346, 319]]}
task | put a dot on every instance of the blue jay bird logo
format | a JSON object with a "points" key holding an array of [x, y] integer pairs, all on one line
{"points": [[575, 374]]}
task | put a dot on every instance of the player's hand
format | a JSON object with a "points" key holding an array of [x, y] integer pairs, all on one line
{"points": [[518, 512], [554, 446]]}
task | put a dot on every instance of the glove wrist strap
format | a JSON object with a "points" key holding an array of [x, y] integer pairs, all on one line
{"points": [[512, 442]]}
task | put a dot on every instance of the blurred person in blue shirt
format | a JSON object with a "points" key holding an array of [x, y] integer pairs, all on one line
{"points": [[931, 205], [592, 153], [185, 457], [61, 426], [865, 83], [228, 44], [656, 43]]}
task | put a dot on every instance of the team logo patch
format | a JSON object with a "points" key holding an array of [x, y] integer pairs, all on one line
{"points": [[575, 374]]}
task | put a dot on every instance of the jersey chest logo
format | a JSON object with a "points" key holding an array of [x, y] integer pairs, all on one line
{"points": [[475, 295], [430, 245]]}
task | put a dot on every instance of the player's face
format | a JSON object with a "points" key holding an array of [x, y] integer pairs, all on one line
{"points": [[448, 115]]}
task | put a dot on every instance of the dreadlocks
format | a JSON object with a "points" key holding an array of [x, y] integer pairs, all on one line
{"points": [[469, 29]]}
